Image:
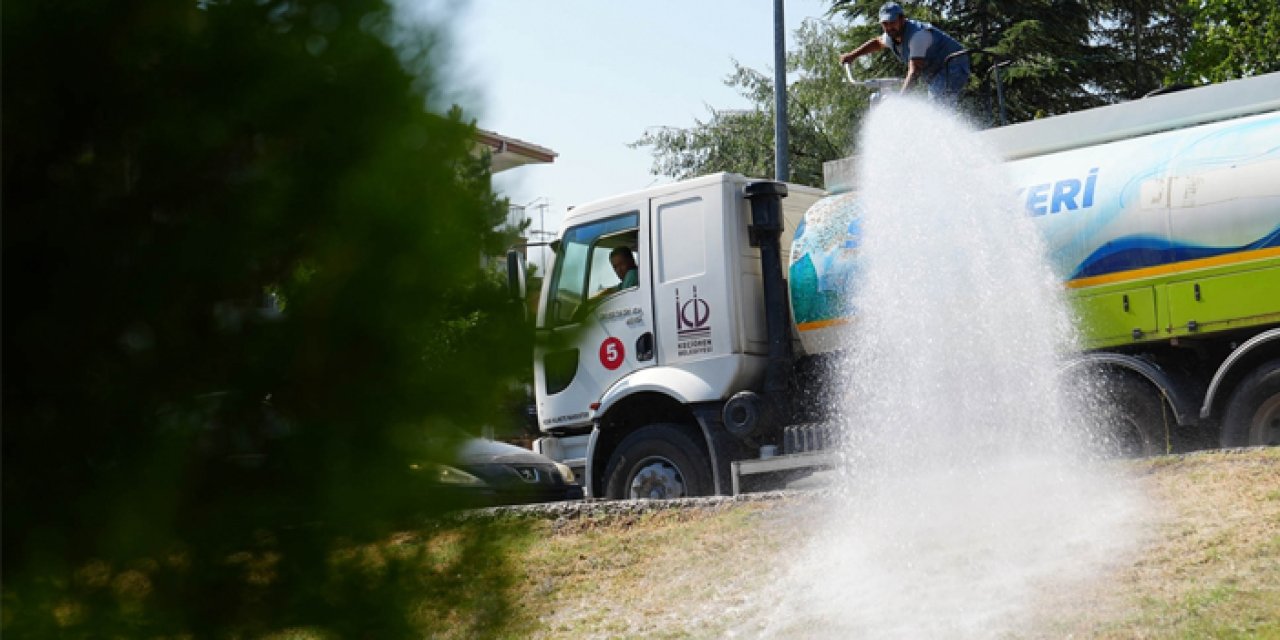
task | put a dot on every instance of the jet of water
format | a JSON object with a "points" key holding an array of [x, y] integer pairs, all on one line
{"points": [[969, 488]]}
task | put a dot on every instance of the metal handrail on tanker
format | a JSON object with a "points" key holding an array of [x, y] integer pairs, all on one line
{"points": [[879, 85], [1000, 63]]}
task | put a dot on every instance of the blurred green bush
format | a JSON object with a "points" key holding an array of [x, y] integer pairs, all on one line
{"points": [[242, 283]]}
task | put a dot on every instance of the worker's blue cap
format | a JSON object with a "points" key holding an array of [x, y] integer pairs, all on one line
{"points": [[890, 11]]}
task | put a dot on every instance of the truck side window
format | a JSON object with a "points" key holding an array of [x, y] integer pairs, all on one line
{"points": [[604, 279], [582, 263]]}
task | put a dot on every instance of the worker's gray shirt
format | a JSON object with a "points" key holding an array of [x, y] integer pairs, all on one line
{"points": [[923, 40]]}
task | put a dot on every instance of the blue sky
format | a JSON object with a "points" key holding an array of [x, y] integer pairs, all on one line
{"points": [[586, 77]]}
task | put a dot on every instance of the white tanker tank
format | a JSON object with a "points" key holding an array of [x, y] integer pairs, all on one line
{"points": [[1162, 216]]}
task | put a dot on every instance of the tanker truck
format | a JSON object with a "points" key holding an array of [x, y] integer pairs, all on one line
{"points": [[1162, 216]]}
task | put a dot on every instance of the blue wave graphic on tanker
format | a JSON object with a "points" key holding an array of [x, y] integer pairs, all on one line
{"points": [[1138, 252], [823, 275], [1196, 162]]}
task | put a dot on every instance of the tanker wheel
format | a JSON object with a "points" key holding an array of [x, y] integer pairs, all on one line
{"points": [[1253, 412], [1135, 417], [659, 461]]}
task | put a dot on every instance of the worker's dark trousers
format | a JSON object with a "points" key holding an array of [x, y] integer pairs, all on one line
{"points": [[946, 85]]}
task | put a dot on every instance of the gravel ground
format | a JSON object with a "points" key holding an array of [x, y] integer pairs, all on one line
{"points": [[813, 486], [597, 508]]}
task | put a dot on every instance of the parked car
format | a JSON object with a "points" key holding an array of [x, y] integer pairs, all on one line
{"points": [[488, 473]]}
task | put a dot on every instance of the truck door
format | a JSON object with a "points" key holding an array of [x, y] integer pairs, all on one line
{"points": [[692, 279], [597, 325]]}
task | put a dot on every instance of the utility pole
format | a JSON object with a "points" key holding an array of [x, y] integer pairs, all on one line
{"points": [[781, 164], [542, 228], [539, 203]]}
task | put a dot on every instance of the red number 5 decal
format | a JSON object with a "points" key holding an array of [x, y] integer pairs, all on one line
{"points": [[612, 353]]}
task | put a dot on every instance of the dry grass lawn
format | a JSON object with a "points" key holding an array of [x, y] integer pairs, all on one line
{"points": [[1210, 566], [1212, 569]]}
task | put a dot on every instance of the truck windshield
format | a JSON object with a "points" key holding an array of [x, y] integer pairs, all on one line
{"points": [[569, 292]]}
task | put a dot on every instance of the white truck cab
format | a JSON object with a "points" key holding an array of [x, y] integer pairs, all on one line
{"points": [[658, 358]]}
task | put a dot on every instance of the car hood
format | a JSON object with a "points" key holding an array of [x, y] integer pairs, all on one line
{"points": [[480, 451]]}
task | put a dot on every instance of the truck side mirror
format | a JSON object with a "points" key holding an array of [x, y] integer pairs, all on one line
{"points": [[516, 286]]}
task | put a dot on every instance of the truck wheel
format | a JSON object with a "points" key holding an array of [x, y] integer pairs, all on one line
{"points": [[1135, 417], [1253, 412], [659, 461]]}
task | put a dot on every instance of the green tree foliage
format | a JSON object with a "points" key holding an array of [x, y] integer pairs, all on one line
{"points": [[1233, 39], [1051, 63], [1145, 39], [1047, 47], [1054, 57], [822, 114], [181, 454]]}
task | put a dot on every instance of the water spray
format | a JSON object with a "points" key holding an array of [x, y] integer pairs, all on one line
{"points": [[968, 486]]}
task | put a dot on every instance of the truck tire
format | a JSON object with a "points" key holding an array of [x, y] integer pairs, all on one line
{"points": [[1136, 420], [1253, 412], [660, 461]]}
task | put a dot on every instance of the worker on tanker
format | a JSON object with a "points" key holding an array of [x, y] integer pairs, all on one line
{"points": [[924, 48], [624, 265]]}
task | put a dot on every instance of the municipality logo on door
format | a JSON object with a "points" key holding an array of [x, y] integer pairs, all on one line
{"points": [[693, 329]]}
